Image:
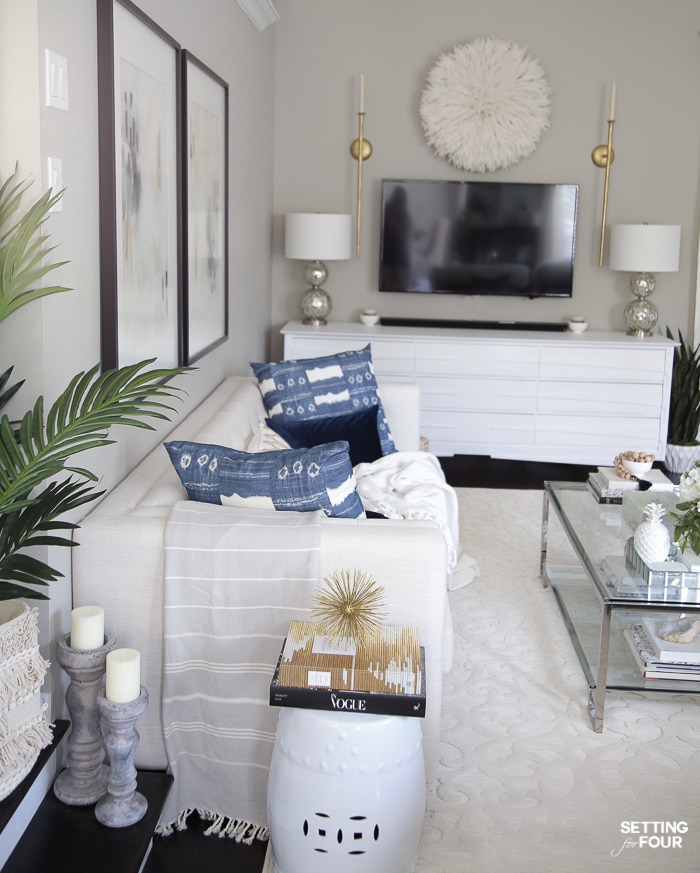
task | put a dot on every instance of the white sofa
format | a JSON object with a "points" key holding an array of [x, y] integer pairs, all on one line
{"points": [[119, 562]]}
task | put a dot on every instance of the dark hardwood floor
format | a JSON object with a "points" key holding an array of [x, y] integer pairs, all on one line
{"points": [[189, 851], [480, 471]]}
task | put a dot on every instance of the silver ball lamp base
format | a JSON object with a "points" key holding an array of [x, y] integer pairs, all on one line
{"points": [[641, 314], [316, 303]]}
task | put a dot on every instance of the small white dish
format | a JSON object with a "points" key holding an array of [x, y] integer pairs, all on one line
{"points": [[576, 326], [637, 468], [369, 318]]}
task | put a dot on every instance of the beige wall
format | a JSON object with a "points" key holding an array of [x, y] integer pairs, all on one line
{"points": [[651, 49]]}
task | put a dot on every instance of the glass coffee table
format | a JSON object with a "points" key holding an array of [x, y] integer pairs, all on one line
{"points": [[600, 594]]}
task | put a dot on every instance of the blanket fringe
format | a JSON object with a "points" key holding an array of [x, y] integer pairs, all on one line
{"points": [[221, 826]]}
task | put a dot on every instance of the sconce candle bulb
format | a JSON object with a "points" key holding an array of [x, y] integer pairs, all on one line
{"points": [[613, 95]]}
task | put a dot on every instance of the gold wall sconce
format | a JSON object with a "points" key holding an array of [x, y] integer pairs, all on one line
{"points": [[603, 156], [361, 150]]}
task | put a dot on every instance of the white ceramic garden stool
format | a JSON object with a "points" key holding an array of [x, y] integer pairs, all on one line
{"points": [[346, 792]]}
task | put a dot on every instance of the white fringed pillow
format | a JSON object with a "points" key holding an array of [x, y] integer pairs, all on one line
{"points": [[24, 731], [265, 439]]}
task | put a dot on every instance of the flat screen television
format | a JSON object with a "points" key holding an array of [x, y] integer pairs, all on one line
{"points": [[488, 238]]}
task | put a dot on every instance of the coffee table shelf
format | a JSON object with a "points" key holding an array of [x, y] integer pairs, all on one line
{"points": [[599, 596]]}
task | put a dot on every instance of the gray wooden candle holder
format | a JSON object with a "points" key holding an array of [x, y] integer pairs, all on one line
{"points": [[84, 780], [122, 805]]}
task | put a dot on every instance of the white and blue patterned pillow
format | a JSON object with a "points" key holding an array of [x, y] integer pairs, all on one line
{"points": [[311, 388], [299, 480]]}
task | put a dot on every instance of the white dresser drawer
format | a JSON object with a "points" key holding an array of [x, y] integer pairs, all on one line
{"points": [[478, 359], [388, 356], [472, 428], [602, 399], [638, 434], [500, 395], [599, 364]]}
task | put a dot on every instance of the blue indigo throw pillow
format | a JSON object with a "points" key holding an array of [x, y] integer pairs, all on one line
{"points": [[359, 429], [299, 480], [312, 388]]}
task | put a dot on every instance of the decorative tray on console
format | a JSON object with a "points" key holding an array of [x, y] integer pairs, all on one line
{"points": [[675, 571]]}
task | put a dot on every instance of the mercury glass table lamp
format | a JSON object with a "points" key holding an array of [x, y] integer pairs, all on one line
{"points": [[317, 237], [644, 249]]}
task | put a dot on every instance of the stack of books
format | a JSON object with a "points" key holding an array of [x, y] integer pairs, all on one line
{"points": [[384, 677], [659, 659], [608, 487]]}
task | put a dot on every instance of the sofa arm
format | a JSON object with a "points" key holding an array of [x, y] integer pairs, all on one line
{"points": [[409, 559], [401, 402], [120, 566]]}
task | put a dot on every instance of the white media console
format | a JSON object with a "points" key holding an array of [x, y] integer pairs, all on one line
{"points": [[520, 394]]}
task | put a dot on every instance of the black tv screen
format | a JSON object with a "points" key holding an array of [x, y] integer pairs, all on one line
{"points": [[491, 238]]}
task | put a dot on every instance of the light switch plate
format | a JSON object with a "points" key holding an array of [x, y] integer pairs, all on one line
{"points": [[56, 80], [55, 173]]}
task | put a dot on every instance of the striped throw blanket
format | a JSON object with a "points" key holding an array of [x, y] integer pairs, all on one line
{"points": [[234, 579]]}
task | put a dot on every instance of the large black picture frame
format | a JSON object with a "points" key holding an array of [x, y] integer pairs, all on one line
{"points": [[205, 207], [139, 111]]}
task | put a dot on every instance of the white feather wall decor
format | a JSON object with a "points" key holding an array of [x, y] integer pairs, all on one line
{"points": [[486, 105]]}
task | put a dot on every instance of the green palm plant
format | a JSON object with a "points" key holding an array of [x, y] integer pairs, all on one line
{"points": [[684, 409], [38, 483]]}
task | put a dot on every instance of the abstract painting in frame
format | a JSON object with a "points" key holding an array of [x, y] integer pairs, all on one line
{"points": [[205, 192], [139, 72]]}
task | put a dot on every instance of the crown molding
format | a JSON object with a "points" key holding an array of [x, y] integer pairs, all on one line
{"points": [[261, 12]]}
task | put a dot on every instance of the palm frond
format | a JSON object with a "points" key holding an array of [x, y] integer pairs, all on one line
{"points": [[79, 420], [22, 247], [7, 393], [39, 452], [684, 409], [26, 524]]}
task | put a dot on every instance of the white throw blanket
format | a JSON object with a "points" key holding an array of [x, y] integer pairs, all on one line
{"points": [[412, 485], [234, 579]]}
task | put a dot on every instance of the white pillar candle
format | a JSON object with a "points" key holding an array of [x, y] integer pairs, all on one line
{"points": [[87, 628], [123, 675]]}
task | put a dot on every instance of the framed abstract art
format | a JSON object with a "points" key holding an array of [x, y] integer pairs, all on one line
{"points": [[205, 192], [139, 83]]}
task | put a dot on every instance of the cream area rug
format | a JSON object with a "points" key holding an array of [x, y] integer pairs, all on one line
{"points": [[525, 785]]}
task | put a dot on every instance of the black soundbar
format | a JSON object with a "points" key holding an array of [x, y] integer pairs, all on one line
{"points": [[399, 321]]}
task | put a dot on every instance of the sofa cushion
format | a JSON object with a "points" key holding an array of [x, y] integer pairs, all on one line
{"points": [[300, 480], [359, 429], [311, 388]]}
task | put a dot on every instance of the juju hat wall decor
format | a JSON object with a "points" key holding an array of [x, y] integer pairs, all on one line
{"points": [[486, 105]]}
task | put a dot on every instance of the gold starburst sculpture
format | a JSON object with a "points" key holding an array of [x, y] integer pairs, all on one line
{"points": [[351, 605]]}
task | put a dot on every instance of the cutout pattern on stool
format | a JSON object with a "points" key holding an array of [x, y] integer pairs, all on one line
{"points": [[324, 830]]}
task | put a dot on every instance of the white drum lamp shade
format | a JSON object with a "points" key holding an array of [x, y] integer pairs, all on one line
{"points": [[317, 237], [644, 249]]}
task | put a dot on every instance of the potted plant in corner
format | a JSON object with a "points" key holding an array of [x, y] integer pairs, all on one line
{"points": [[38, 482], [683, 447]]}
